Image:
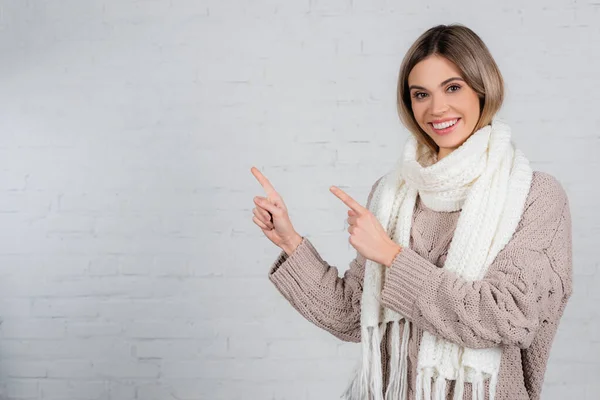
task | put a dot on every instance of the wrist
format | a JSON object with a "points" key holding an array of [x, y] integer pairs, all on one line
{"points": [[292, 244], [393, 253]]}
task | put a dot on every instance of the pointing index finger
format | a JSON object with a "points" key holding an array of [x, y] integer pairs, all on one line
{"points": [[349, 201], [269, 189]]}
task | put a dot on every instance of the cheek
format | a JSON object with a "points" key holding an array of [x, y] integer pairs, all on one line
{"points": [[470, 102], [418, 111]]}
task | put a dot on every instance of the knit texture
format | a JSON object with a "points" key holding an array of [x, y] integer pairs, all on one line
{"points": [[518, 303]]}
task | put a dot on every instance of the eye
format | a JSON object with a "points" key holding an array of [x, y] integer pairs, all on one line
{"points": [[454, 86], [417, 95]]}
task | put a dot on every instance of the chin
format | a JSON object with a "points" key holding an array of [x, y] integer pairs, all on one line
{"points": [[451, 142]]}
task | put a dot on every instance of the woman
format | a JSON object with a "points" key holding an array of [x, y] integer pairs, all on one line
{"points": [[463, 266]]}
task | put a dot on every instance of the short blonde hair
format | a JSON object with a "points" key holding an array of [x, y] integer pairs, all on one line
{"points": [[466, 50]]}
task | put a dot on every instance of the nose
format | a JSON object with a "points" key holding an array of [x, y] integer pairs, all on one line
{"points": [[438, 105]]}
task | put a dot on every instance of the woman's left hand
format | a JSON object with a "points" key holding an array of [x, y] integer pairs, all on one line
{"points": [[367, 235]]}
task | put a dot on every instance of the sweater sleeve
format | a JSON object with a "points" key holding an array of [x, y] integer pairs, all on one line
{"points": [[314, 288], [525, 286]]}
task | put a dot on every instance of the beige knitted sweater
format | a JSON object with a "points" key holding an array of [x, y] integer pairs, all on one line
{"points": [[518, 304]]}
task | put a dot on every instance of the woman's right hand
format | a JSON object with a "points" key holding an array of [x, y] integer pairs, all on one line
{"points": [[271, 215]]}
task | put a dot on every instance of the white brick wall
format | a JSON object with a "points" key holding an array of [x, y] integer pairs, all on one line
{"points": [[130, 267]]}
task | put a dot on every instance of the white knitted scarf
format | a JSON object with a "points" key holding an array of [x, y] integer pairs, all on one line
{"points": [[488, 179]]}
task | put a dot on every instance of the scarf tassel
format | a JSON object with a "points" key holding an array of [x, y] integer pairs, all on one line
{"points": [[493, 384], [376, 373], [398, 385], [440, 388], [425, 381], [478, 387], [459, 387], [358, 387], [393, 390], [477, 392], [367, 382]]}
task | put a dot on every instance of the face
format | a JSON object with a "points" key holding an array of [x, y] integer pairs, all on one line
{"points": [[445, 107]]}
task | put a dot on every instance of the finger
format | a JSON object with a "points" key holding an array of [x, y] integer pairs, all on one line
{"points": [[349, 201], [269, 189], [263, 216], [262, 213], [260, 224], [266, 204]]}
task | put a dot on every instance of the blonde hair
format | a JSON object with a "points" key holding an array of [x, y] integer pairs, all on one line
{"points": [[466, 50]]}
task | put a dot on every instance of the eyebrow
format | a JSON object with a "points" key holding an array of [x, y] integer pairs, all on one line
{"points": [[441, 84]]}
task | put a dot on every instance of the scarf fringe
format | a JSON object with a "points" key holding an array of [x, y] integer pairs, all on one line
{"points": [[367, 382], [393, 389], [358, 387], [398, 384], [376, 373], [367, 379], [459, 387], [426, 378], [477, 387], [493, 384], [440, 388]]}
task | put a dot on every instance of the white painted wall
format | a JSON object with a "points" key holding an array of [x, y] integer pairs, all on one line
{"points": [[130, 267]]}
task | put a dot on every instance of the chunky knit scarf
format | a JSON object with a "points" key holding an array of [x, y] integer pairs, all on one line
{"points": [[488, 179]]}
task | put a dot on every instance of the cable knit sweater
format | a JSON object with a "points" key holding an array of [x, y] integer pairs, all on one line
{"points": [[518, 304]]}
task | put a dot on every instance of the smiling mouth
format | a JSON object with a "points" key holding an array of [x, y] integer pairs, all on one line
{"points": [[445, 129]]}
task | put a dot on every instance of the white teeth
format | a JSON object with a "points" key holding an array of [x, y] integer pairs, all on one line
{"points": [[444, 125]]}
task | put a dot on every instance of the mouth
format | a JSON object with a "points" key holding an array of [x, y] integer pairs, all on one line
{"points": [[445, 127]]}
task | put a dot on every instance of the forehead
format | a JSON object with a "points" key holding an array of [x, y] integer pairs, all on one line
{"points": [[432, 70]]}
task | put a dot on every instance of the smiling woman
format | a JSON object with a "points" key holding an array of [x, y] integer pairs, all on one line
{"points": [[447, 112], [464, 263], [447, 92]]}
